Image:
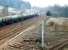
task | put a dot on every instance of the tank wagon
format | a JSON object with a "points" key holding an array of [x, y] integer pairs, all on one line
{"points": [[15, 18]]}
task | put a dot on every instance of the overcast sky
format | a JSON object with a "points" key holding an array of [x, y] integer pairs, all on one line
{"points": [[45, 3]]}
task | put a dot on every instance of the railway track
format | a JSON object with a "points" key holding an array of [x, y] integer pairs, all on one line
{"points": [[59, 45], [12, 30]]}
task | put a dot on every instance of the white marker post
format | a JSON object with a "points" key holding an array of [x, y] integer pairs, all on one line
{"points": [[43, 34]]}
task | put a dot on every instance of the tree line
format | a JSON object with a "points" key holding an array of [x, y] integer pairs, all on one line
{"points": [[57, 11]]}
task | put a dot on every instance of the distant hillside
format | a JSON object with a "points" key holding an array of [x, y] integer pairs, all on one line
{"points": [[15, 3]]}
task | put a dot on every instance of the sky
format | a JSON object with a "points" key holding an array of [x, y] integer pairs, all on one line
{"points": [[45, 3]]}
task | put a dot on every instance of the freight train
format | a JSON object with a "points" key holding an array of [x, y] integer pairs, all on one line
{"points": [[15, 18]]}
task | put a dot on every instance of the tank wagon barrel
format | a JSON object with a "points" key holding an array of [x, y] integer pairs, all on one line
{"points": [[14, 19]]}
